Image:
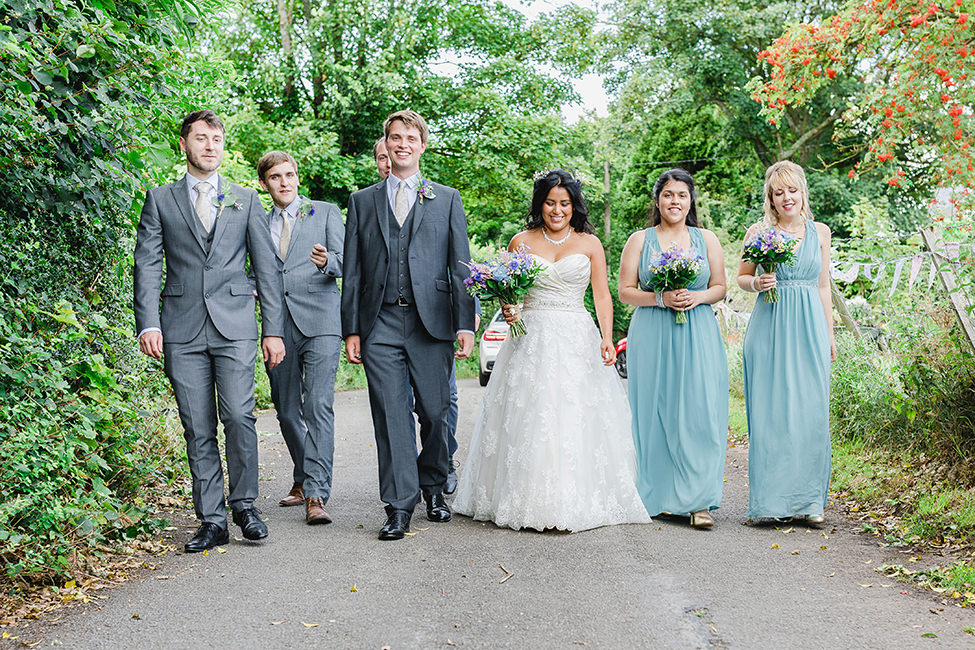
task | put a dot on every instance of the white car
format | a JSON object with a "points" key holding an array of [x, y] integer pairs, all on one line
{"points": [[490, 342]]}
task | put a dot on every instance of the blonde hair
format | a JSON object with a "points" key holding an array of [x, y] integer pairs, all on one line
{"points": [[785, 173]]}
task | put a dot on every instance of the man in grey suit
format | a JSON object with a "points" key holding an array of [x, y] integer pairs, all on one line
{"points": [[403, 306], [308, 238], [204, 229]]}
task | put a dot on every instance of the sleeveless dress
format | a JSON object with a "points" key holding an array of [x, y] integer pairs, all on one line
{"points": [[551, 446], [786, 372], [678, 376]]}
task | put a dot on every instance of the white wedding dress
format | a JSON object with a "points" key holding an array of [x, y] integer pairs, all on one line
{"points": [[552, 444]]}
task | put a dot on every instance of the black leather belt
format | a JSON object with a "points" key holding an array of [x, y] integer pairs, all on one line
{"points": [[401, 302]]}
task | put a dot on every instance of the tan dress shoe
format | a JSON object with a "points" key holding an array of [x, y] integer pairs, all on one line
{"points": [[295, 498], [315, 512]]}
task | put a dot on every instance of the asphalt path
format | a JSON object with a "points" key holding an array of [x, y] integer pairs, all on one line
{"points": [[468, 584]]}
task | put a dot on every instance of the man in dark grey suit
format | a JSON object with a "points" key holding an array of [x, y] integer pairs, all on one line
{"points": [[204, 229], [381, 157], [308, 238], [403, 306]]}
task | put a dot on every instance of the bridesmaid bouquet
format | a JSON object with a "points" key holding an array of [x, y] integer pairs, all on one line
{"points": [[506, 277], [674, 268], [768, 248]]}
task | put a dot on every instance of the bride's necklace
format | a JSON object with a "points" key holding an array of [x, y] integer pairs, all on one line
{"points": [[554, 242]]}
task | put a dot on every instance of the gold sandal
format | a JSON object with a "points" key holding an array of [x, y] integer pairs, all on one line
{"points": [[701, 519]]}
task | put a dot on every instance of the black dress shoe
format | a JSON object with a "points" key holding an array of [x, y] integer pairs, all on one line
{"points": [[451, 485], [207, 536], [250, 524], [397, 524], [437, 509]]}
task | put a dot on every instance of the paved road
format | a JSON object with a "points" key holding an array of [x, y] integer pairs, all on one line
{"points": [[661, 585]]}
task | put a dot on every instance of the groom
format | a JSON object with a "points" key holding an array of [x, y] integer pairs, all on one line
{"points": [[403, 306]]}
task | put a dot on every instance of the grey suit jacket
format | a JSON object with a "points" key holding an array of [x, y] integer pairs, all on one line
{"points": [[198, 282], [438, 246], [311, 295]]}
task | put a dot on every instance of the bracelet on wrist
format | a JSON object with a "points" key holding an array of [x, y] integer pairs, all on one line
{"points": [[660, 298], [754, 280]]}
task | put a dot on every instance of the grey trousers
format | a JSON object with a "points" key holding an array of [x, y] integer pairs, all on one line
{"points": [[398, 355], [195, 369], [303, 392]]}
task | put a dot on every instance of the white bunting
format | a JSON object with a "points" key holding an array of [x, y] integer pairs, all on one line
{"points": [[898, 267], [916, 263]]}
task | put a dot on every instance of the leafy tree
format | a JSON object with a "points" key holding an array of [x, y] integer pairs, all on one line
{"points": [[320, 80], [910, 63], [670, 55]]}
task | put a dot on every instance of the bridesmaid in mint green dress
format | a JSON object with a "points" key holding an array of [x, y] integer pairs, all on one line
{"points": [[677, 372], [788, 349]]}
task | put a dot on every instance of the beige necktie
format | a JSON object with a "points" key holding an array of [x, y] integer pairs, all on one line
{"points": [[285, 235], [203, 203], [401, 204]]}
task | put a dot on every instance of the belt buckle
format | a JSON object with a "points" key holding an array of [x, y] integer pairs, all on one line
{"points": [[401, 301]]}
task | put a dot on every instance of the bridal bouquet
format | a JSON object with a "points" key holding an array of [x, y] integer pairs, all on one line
{"points": [[674, 268], [506, 277], [768, 248]]}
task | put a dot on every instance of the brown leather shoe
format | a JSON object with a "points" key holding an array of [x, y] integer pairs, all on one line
{"points": [[315, 512], [295, 498]]}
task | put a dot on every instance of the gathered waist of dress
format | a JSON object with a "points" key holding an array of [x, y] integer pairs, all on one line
{"points": [[553, 304], [797, 283]]}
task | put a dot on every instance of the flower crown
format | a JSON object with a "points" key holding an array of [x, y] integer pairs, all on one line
{"points": [[545, 172]]}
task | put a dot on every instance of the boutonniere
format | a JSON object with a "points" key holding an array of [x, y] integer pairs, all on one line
{"points": [[222, 200], [306, 209], [425, 190]]}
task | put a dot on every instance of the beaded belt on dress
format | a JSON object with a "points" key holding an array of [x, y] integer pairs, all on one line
{"points": [[553, 304], [797, 283]]}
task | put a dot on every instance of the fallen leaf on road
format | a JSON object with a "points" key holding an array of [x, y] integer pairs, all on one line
{"points": [[788, 530], [354, 588], [449, 642], [206, 552], [795, 552], [276, 622], [869, 584], [823, 533], [221, 550], [309, 624], [774, 546], [868, 562], [929, 635], [135, 616], [162, 577], [822, 548], [507, 575], [829, 575], [410, 534]]}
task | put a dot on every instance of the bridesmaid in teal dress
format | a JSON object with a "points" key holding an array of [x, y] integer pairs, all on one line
{"points": [[677, 372], [788, 349]]}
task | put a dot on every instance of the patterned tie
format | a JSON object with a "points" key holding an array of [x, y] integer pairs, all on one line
{"points": [[285, 235], [401, 204], [203, 203]]}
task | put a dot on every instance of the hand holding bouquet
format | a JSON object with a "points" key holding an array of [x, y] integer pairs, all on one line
{"points": [[768, 248], [506, 277], [674, 268]]}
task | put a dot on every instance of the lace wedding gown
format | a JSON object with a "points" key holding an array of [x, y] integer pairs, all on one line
{"points": [[552, 444]]}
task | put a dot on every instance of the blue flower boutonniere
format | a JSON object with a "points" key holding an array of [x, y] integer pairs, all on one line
{"points": [[222, 200], [306, 209], [425, 190]]}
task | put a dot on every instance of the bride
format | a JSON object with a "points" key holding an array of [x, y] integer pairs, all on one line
{"points": [[552, 446]]}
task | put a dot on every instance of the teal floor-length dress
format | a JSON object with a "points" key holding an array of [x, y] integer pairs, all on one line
{"points": [[678, 386], [786, 371]]}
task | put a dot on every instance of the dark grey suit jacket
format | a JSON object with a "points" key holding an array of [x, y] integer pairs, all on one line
{"points": [[438, 246], [198, 282], [312, 295]]}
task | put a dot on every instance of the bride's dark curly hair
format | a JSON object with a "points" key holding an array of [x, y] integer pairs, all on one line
{"points": [[559, 178]]}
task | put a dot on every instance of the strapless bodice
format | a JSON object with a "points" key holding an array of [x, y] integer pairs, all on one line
{"points": [[561, 284]]}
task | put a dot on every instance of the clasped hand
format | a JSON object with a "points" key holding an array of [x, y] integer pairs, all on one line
{"points": [[681, 299]]}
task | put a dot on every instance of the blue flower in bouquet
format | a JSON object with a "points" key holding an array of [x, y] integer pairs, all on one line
{"points": [[675, 268], [769, 247], [506, 277]]}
